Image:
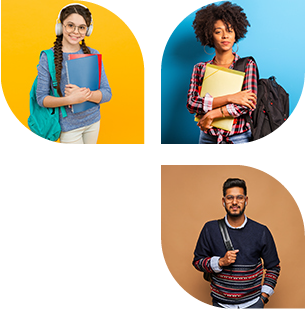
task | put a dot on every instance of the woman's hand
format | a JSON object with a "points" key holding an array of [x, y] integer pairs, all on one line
{"points": [[77, 95], [246, 98], [205, 121]]}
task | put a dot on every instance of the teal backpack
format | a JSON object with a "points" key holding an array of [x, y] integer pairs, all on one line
{"points": [[44, 121]]}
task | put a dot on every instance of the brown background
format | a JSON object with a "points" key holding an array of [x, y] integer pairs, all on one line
{"points": [[191, 196]]}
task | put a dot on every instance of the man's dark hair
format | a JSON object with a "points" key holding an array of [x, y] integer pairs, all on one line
{"points": [[230, 14], [234, 182]]}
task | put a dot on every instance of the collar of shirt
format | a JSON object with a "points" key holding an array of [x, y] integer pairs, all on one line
{"points": [[236, 228]]}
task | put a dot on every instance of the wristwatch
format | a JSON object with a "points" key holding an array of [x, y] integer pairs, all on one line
{"points": [[265, 299]]}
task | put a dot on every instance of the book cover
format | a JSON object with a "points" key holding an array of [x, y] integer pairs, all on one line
{"points": [[83, 72], [99, 56]]}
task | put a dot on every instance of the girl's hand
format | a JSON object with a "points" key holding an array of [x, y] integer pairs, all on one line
{"points": [[246, 98], [79, 95], [69, 89]]}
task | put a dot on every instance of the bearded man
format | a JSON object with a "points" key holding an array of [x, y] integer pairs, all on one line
{"points": [[236, 275]]}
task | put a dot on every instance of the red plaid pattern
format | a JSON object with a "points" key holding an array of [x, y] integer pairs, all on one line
{"points": [[199, 105]]}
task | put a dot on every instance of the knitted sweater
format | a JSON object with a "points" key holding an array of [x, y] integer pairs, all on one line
{"points": [[241, 281], [77, 120]]}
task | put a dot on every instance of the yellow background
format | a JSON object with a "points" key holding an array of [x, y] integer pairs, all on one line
{"points": [[29, 27]]}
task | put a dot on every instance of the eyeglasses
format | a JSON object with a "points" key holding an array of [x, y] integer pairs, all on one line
{"points": [[70, 27], [230, 198]]}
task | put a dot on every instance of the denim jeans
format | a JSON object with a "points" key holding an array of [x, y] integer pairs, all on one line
{"points": [[258, 304], [205, 138]]}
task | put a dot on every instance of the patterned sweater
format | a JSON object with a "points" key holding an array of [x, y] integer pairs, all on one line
{"points": [[241, 281]]}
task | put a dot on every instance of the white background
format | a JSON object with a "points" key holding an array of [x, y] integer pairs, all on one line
{"points": [[80, 225]]}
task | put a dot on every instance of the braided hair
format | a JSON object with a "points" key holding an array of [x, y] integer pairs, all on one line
{"points": [[231, 14], [58, 53]]}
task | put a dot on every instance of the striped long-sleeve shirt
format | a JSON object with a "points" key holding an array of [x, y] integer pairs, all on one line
{"points": [[241, 282], [202, 105]]}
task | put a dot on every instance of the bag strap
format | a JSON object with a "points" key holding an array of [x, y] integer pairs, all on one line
{"points": [[225, 234], [240, 64], [50, 57]]}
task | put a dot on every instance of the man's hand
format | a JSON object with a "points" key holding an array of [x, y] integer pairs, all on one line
{"points": [[265, 295], [228, 259]]}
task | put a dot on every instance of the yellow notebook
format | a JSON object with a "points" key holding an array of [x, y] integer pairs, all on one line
{"points": [[219, 81]]}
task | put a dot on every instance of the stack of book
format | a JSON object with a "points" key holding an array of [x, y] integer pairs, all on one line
{"points": [[84, 70]]}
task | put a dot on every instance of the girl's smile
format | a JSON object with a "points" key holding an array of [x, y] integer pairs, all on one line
{"points": [[75, 38]]}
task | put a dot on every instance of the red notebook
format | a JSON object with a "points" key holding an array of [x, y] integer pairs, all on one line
{"points": [[99, 58]]}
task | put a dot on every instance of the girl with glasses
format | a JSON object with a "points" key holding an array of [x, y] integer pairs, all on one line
{"points": [[73, 24]]}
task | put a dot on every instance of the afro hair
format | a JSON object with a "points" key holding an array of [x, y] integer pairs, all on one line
{"points": [[231, 14]]}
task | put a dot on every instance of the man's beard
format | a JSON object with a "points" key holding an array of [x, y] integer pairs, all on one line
{"points": [[236, 215]]}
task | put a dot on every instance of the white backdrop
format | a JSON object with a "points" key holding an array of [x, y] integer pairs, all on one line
{"points": [[88, 236]]}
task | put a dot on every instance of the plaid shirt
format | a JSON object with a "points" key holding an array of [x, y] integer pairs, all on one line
{"points": [[202, 105]]}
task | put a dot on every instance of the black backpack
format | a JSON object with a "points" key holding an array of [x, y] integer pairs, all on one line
{"points": [[272, 106]]}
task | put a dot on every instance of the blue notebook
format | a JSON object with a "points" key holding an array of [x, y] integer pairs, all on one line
{"points": [[83, 72]]}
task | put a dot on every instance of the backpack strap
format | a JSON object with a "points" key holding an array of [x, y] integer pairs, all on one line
{"points": [[50, 56], [240, 64], [227, 241], [225, 234]]}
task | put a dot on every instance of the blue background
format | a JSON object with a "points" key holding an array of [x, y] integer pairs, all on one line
{"points": [[275, 39]]}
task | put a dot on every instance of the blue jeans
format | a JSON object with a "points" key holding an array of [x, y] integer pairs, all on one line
{"points": [[258, 304], [245, 137]]}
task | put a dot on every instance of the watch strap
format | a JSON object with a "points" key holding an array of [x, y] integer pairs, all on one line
{"points": [[265, 299]]}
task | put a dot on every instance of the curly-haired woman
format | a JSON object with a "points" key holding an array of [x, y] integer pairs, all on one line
{"points": [[73, 24], [221, 26]]}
